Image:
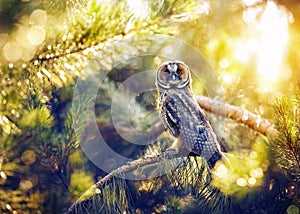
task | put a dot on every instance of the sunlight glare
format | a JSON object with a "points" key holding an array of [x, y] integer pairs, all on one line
{"points": [[274, 36], [227, 79], [251, 2], [266, 40], [139, 8], [245, 49]]}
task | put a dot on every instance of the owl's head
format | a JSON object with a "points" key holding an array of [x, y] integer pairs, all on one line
{"points": [[173, 74]]}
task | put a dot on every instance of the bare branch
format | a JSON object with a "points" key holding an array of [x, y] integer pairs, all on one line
{"points": [[243, 116]]}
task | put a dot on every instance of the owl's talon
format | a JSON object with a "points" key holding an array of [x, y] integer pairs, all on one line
{"points": [[170, 153], [171, 150], [149, 156]]}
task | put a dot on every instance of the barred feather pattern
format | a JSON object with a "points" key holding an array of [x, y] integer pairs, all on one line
{"points": [[185, 120]]}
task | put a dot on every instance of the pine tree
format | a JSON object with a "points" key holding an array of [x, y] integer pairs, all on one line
{"points": [[42, 167]]}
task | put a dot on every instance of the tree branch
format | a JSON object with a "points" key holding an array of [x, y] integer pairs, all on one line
{"points": [[235, 113], [128, 167], [243, 116]]}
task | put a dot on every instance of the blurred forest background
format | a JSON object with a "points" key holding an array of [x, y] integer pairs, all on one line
{"points": [[253, 46]]}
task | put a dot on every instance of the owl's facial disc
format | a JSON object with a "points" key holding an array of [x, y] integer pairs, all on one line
{"points": [[173, 74]]}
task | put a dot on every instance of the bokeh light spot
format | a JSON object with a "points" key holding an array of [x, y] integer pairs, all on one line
{"points": [[222, 171], [3, 178], [224, 63], [38, 17], [36, 35], [8, 206], [12, 52], [252, 181], [28, 157], [250, 2], [257, 173], [3, 38], [253, 154], [227, 79], [25, 184], [241, 182]]}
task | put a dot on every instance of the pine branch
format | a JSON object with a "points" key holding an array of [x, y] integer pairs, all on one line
{"points": [[286, 145], [95, 33], [235, 113], [129, 167]]}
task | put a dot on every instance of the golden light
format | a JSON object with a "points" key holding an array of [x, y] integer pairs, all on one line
{"points": [[253, 154], [12, 51], [266, 39], [25, 184], [139, 8], [8, 207], [245, 49], [38, 17], [227, 79], [224, 63], [250, 2], [241, 182], [36, 35], [274, 36], [221, 171], [28, 157], [257, 173], [3, 175], [97, 191], [252, 181]]}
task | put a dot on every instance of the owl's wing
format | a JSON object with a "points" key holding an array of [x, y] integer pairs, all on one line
{"points": [[196, 133], [171, 118], [205, 145], [185, 120]]}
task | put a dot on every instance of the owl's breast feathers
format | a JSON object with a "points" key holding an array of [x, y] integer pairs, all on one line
{"points": [[185, 120]]}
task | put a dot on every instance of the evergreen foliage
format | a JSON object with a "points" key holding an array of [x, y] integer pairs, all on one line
{"points": [[43, 169], [286, 144]]}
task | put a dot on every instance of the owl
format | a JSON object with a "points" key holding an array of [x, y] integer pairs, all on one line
{"points": [[182, 116]]}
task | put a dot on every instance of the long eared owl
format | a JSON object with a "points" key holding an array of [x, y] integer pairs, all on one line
{"points": [[181, 114]]}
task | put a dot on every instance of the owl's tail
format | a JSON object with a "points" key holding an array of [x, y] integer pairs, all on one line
{"points": [[211, 162]]}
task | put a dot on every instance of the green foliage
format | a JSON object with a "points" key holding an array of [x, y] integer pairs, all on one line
{"points": [[79, 186], [36, 118], [35, 87], [187, 179], [293, 209], [244, 171], [286, 145], [173, 205], [41, 169], [111, 198]]}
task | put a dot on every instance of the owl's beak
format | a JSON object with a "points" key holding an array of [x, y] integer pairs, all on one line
{"points": [[173, 79], [173, 76]]}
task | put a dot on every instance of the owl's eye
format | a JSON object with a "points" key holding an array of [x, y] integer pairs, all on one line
{"points": [[179, 72], [167, 72]]}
